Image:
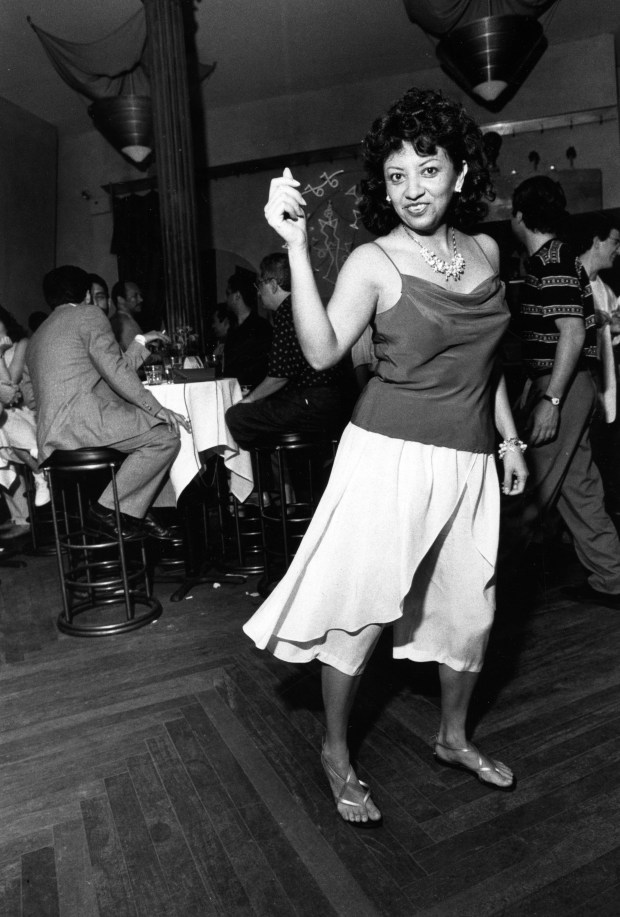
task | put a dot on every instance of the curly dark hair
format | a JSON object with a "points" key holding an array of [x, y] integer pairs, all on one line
{"points": [[427, 120], [13, 328]]}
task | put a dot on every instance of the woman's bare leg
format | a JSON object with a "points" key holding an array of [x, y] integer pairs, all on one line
{"points": [[339, 692], [456, 691]]}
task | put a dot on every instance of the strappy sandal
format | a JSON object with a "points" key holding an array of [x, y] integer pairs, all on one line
{"points": [[475, 771], [334, 777]]}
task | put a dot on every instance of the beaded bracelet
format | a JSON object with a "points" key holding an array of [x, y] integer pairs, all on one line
{"points": [[512, 444]]}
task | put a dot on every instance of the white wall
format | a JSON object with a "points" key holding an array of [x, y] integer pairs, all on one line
{"points": [[86, 162], [27, 208], [570, 77]]}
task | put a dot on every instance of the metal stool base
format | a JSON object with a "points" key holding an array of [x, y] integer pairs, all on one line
{"points": [[78, 629]]}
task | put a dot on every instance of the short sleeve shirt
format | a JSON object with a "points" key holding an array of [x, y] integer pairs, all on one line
{"points": [[286, 360], [555, 286]]}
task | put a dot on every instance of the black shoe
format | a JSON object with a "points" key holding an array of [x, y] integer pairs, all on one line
{"points": [[586, 593], [155, 529], [103, 520]]}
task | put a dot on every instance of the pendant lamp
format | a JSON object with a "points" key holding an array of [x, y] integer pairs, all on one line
{"points": [[126, 121], [491, 55]]}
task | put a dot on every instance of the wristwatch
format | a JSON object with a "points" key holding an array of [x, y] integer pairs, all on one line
{"points": [[552, 398]]}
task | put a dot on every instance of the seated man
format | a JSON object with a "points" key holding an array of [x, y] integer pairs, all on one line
{"points": [[293, 397], [248, 341], [87, 393], [127, 298], [100, 294]]}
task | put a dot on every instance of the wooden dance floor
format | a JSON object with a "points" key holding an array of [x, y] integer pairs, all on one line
{"points": [[175, 771]]}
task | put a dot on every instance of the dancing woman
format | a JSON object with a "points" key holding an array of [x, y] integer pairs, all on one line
{"points": [[406, 532]]}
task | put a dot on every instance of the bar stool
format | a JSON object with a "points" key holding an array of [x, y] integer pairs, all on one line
{"points": [[202, 515], [95, 570], [285, 518], [168, 554], [240, 530]]}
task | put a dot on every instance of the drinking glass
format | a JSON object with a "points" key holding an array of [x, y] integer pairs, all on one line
{"points": [[154, 373]]}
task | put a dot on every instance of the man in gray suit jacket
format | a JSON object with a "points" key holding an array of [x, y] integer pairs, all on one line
{"points": [[87, 393]]}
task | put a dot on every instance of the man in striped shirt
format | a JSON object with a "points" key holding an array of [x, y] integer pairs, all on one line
{"points": [[558, 329]]}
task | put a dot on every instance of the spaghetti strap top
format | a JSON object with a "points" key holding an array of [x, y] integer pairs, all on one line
{"points": [[437, 356]]}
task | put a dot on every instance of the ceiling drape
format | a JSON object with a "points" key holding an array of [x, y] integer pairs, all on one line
{"points": [[111, 66], [438, 17], [115, 65]]}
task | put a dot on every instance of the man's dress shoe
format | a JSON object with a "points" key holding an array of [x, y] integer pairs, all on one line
{"points": [[155, 529], [104, 520]]}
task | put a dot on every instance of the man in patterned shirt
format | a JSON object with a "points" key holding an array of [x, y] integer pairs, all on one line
{"points": [[558, 329], [293, 397]]}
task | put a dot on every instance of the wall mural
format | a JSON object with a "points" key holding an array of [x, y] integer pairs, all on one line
{"points": [[334, 223]]}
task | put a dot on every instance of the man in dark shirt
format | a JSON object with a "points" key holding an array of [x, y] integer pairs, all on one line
{"points": [[559, 334], [248, 341], [292, 397]]}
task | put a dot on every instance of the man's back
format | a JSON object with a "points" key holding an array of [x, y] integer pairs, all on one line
{"points": [[85, 391]]}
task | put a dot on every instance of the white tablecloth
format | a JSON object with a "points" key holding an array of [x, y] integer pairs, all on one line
{"points": [[206, 403]]}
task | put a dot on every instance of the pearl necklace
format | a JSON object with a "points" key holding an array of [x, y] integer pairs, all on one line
{"points": [[452, 269]]}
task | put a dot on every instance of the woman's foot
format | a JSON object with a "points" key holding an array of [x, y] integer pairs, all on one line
{"points": [[42, 491], [469, 758], [352, 796]]}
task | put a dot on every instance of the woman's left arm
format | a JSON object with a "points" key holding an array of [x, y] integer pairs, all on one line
{"points": [[5, 344], [515, 467]]}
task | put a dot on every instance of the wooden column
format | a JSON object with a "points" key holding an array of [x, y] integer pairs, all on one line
{"points": [[175, 162]]}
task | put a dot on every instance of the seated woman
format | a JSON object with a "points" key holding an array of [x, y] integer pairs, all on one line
{"points": [[18, 440]]}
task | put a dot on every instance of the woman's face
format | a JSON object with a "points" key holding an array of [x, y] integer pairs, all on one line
{"points": [[421, 187]]}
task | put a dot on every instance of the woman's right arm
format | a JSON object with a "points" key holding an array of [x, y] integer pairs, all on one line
{"points": [[325, 335]]}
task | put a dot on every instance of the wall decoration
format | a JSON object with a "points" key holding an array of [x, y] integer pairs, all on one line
{"points": [[334, 224]]}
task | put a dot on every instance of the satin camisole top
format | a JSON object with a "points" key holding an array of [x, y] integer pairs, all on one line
{"points": [[437, 371]]}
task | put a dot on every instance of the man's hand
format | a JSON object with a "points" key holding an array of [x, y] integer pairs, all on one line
{"points": [[543, 423], [151, 336], [173, 420]]}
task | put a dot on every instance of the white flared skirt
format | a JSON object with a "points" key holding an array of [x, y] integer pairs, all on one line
{"points": [[405, 534]]}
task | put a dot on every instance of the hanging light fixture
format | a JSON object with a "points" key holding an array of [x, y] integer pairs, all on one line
{"points": [[126, 121], [489, 55]]}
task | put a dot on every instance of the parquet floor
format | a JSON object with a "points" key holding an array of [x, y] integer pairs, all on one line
{"points": [[175, 771]]}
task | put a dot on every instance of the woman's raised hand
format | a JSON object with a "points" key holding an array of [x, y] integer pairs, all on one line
{"points": [[284, 209]]}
